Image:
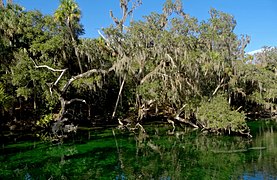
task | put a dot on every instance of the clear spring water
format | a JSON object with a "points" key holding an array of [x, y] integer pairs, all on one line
{"points": [[113, 154]]}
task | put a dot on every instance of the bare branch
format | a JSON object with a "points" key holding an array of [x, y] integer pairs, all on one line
{"points": [[54, 70], [99, 32], [180, 110], [50, 68], [83, 75], [119, 94], [125, 12], [185, 121], [56, 82], [141, 127], [216, 89], [171, 59], [177, 117], [74, 100], [116, 21], [124, 7], [134, 6], [239, 108], [179, 9]]}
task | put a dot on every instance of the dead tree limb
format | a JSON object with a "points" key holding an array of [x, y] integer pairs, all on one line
{"points": [[83, 75], [56, 82], [180, 110], [125, 12], [118, 97], [217, 88], [220, 85], [62, 92], [106, 39], [75, 100], [50, 68], [171, 60], [54, 70], [178, 118]]}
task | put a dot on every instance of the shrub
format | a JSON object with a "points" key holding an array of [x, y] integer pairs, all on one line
{"points": [[218, 115]]}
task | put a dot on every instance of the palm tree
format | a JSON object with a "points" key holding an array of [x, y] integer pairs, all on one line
{"points": [[68, 14]]}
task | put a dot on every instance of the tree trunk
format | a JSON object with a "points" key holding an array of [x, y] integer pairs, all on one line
{"points": [[78, 59], [75, 49], [119, 95]]}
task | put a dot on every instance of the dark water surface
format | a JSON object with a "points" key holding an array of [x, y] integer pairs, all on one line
{"points": [[113, 154]]}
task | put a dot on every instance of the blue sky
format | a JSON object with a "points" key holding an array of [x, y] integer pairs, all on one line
{"points": [[256, 18]]}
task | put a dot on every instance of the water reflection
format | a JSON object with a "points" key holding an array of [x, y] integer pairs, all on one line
{"points": [[148, 153], [264, 164]]}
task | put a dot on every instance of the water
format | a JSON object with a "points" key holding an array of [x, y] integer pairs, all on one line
{"points": [[113, 154]]}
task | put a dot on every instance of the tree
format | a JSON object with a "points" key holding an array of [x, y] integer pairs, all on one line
{"points": [[65, 78], [193, 61], [68, 15], [126, 11], [168, 65]]}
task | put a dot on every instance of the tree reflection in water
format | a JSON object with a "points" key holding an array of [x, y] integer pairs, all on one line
{"points": [[148, 153]]}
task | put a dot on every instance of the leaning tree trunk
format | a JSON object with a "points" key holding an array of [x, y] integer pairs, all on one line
{"points": [[74, 41], [61, 92]]}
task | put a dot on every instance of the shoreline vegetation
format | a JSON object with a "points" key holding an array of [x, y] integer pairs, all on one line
{"points": [[168, 67]]}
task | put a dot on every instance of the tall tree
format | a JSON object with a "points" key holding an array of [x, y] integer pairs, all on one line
{"points": [[68, 15], [126, 12]]}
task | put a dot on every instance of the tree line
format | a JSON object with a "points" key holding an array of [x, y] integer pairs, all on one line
{"points": [[168, 66]]}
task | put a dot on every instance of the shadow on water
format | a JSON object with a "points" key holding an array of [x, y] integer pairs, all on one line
{"points": [[113, 154]]}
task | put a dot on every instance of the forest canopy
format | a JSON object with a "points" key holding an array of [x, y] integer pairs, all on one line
{"points": [[167, 66]]}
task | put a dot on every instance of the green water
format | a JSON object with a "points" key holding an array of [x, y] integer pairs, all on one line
{"points": [[113, 154]]}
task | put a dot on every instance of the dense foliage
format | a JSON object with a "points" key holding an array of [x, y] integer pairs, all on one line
{"points": [[167, 65]]}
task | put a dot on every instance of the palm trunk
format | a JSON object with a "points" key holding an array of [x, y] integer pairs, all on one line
{"points": [[75, 48], [78, 58]]}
